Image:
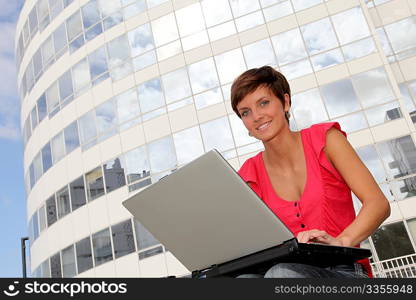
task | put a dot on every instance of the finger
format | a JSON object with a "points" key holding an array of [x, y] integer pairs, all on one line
{"points": [[305, 236]]}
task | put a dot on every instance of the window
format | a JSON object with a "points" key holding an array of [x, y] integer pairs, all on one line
{"points": [[240, 133], [359, 49], [42, 110], [340, 98], [71, 137], [114, 174], [37, 64], [118, 51], [64, 204], [412, 228], [109, 7], [77, 190], [380, 114], [134, 9], [140, 40], [277, 11], [46, 157], [307, 108], [217, 134], [87, 128], [350, 25], [392, 241], [190, 19], [188, 145], [398, 156], [68, 262], [216, 12], [208, 98], [162, 155], [51, 210], [37, 165], [58, 147], [74, 26], [165, 30], [95, 183], [289, 47], [42, 218], [137, 164], [151, 95], [373, 87], [327, 59], [84, 255], [101, 242], [35, 224], [229, 65], [123, 239], [106, 118], [370, 158], [45, 269], [48, 51], [55, 7], [52, 97], [56, 266], [98, 63], [90, 14], [297, 69], [60, 40], [202, 83], [352, 122], [303, 4], [65, 86], [242, 7], [144, 238], [81, 75], [399, 41], [33, 22], [259, 54], [127, 106], [405, 188], [173, 90], [317, 42]]}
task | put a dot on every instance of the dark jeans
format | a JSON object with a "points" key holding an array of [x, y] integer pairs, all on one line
{"points": [[294, 270]]}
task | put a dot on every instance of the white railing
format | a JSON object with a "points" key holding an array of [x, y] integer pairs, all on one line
{"points": [[399, 267]]}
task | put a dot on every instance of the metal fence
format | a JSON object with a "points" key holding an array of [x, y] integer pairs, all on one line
{"points": [[399, 267]]}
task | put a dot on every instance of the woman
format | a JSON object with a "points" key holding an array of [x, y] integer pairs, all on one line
{"points": [[306, 177]]}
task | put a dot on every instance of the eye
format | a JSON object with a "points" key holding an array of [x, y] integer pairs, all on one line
{"points": [[244, 113], [264, 102]]}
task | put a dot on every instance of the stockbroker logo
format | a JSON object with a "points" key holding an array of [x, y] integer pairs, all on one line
{"points": [[12, 291]]}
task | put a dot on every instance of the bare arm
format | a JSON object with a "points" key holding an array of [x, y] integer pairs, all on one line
{"points": [[375, 207]]}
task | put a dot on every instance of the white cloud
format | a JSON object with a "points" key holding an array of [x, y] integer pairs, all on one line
{"points": [[9, 7], [5, 201], [9, 103], [7, 30]]}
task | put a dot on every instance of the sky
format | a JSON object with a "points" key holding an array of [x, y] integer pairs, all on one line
{"points": [[12, 195]]}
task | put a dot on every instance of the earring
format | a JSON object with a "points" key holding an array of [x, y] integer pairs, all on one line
{"points": [[287, 115], [249, 133]]}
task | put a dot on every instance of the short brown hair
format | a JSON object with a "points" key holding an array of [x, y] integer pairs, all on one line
{"points": [[251, 79]]}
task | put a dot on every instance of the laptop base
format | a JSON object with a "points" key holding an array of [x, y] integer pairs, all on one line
{"points": [[290, 251]]}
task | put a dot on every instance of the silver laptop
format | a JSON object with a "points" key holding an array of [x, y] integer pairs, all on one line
{"points": [[205, 214]]}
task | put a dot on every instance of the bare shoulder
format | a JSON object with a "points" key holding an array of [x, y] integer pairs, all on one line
{"points": [[337, 145]]}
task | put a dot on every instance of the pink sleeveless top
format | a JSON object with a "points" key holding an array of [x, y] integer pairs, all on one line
{"points": [[326, 202]]}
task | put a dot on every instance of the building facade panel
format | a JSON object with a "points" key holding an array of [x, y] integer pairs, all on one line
{"points": [[116, 94]]}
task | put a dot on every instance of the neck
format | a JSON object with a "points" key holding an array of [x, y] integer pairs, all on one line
{"points": [[282, 151]]}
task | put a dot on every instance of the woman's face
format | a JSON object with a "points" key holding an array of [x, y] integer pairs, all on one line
{"points": [[263, 113]]}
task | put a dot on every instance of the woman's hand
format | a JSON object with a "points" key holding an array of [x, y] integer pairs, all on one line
{"points": [[318, 236]]}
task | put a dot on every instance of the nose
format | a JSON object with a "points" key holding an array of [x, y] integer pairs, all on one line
{"points": [[257, 115]]}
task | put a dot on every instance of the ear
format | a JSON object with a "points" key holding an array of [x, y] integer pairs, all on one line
{"points": [[287, 102]]}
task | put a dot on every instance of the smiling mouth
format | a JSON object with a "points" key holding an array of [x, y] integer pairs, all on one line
{"points": [[263, 126]]}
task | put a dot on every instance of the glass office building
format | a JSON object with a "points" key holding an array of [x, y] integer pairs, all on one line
{"points": [[118, 93]]}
